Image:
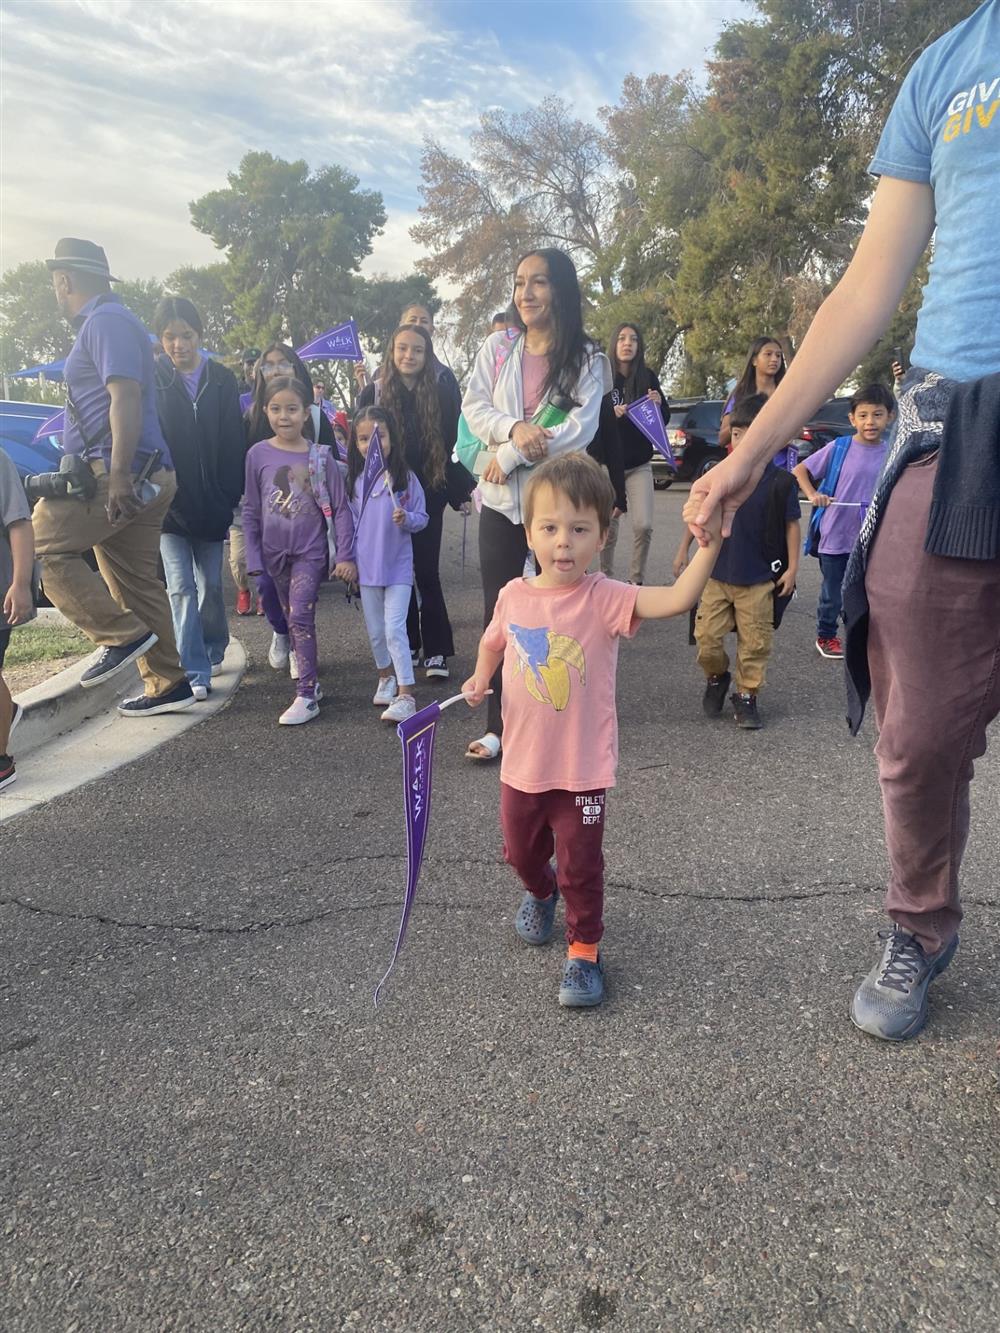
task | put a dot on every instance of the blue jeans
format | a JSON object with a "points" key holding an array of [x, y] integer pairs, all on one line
{"points": [[831, 607], [194, 585]]}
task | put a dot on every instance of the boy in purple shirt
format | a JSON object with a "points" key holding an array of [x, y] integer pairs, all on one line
{"points": [[841, 492]]}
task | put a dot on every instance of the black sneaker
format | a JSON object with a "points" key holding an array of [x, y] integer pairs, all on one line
{"points": [[745, 712], [113, 660], [715, 694], [7, 774], [148, 705]]}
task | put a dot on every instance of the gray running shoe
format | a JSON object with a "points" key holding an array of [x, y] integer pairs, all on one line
{"points": [[891, 1002], [582, 984], [535, 917]]}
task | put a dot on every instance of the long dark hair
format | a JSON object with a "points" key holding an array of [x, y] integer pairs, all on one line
{"points": [[570, 345], [399, 473], [428, 404], [258, 426], [746, 385], [637, 377]]}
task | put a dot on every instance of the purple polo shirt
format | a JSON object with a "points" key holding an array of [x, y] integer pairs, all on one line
{"points": [[111, 342]]}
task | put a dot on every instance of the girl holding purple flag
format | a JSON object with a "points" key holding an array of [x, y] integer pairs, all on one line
{"points": [[426, 411], [384, 526], [633, 380], [298, 527]]}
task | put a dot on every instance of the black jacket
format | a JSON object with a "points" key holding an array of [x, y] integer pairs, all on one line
{"points": [[636, 449], [207, 441], [459, 481], [606, 449]]}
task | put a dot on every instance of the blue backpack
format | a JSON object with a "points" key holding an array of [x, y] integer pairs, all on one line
{"points": [[828, 486]]}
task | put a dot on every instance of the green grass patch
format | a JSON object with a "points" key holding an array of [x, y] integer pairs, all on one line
{"points": [[45, 643]]}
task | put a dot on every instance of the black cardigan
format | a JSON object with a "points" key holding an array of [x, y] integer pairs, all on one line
{"points": [[207, 442]]}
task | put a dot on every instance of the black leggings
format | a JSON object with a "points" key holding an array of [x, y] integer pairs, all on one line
{"points": [[503, 549], [427, 624]]}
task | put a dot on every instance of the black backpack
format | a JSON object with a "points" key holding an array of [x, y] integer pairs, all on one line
{"points": [[775, 543]]}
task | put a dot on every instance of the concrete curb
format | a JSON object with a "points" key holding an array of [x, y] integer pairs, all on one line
{"points": [[61, 703]]}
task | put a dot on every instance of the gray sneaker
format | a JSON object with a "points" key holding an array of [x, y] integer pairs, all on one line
{"points": [[891, 1002]]}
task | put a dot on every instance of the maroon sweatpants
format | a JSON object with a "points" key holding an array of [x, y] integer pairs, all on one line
{"points": [[570, 824], [934, 654]]}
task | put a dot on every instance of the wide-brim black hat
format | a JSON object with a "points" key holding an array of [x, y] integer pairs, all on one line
{"points": [[83, 256]]}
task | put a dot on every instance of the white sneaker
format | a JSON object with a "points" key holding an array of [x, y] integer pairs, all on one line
{"points": [[217, 668], [436, 667], [301, 710], [200, 692], [277, 654], [386, 691], [293, 666], [400, 709]]}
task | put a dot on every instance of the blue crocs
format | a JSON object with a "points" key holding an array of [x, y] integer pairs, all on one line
{"points": [[582, 984], [535, 916]]}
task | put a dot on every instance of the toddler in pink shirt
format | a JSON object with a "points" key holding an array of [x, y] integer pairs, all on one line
{"points": [[557, 635]]}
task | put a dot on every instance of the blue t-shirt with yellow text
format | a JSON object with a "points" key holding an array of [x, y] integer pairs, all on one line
{"points": [[944, 130]]}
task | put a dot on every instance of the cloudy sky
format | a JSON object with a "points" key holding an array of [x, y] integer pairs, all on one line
{"points": [[117, 113]]}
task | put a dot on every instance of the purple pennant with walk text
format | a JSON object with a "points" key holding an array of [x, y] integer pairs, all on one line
{"points": [[417, 736], [54, 426], [374, 467], [646, 414], [337, 344]]}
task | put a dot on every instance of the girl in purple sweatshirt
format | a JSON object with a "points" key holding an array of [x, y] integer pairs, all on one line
{"points": [[384, 554], [298, 529]]}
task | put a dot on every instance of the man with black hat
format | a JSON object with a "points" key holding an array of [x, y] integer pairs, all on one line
{"points": [[112, 424]]}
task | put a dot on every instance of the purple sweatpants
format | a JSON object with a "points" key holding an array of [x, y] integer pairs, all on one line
{"points": [[934, 655], [298, 587], [570, 824]]}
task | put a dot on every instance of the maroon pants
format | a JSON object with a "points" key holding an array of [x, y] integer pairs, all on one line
{"points": [[934, 654], [570, 824]]}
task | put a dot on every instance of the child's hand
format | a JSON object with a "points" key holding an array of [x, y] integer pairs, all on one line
{"points": [[475, 690], [820, 500], [654, 397], [785, 586], [18, 603], [713, 528], [346, 570], [680, 563], [620, 409], [399, 517]]}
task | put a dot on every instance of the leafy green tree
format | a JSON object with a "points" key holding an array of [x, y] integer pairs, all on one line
{"points": [[32, 331], [294, 243]]}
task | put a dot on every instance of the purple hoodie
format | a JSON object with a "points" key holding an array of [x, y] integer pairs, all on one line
{"points": [[383, 551], [281, 519]]}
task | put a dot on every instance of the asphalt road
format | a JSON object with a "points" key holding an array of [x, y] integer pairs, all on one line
{"points": [[207, 1126]]}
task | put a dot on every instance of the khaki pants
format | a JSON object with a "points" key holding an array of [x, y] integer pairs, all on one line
{"points": [[130, 600], [639, 492], [238, 559], [750, 612]]}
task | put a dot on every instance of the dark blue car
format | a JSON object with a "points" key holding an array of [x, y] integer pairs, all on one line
{"points": [[19, 424]]}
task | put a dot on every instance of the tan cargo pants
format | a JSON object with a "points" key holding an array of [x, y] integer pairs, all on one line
{"points": [[750, 612]]}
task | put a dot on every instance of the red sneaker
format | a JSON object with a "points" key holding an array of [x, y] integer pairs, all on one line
{"points": [[829, 647], [244, 602]]}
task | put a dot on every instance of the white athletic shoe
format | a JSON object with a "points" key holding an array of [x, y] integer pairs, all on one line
{"points": [[293, 666], [386, 691], [200, 693], [400, 709], [277, 654], [301, 710]]}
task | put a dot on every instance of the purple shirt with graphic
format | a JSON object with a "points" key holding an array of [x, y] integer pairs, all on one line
{"points": [[384, 552], [111, 343], [281, 520], [841, 523]]}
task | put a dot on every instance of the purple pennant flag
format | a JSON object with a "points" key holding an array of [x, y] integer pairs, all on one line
{"points": [[646, 414], [374, 467], [53, 426], [337, 344], [417, 736]]}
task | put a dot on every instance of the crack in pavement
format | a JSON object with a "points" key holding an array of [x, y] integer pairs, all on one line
{"points": [[823, 889]]}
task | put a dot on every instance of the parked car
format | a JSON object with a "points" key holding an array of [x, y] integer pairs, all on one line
{"points": [[829, 422], [693, 432], [19, 423]]}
